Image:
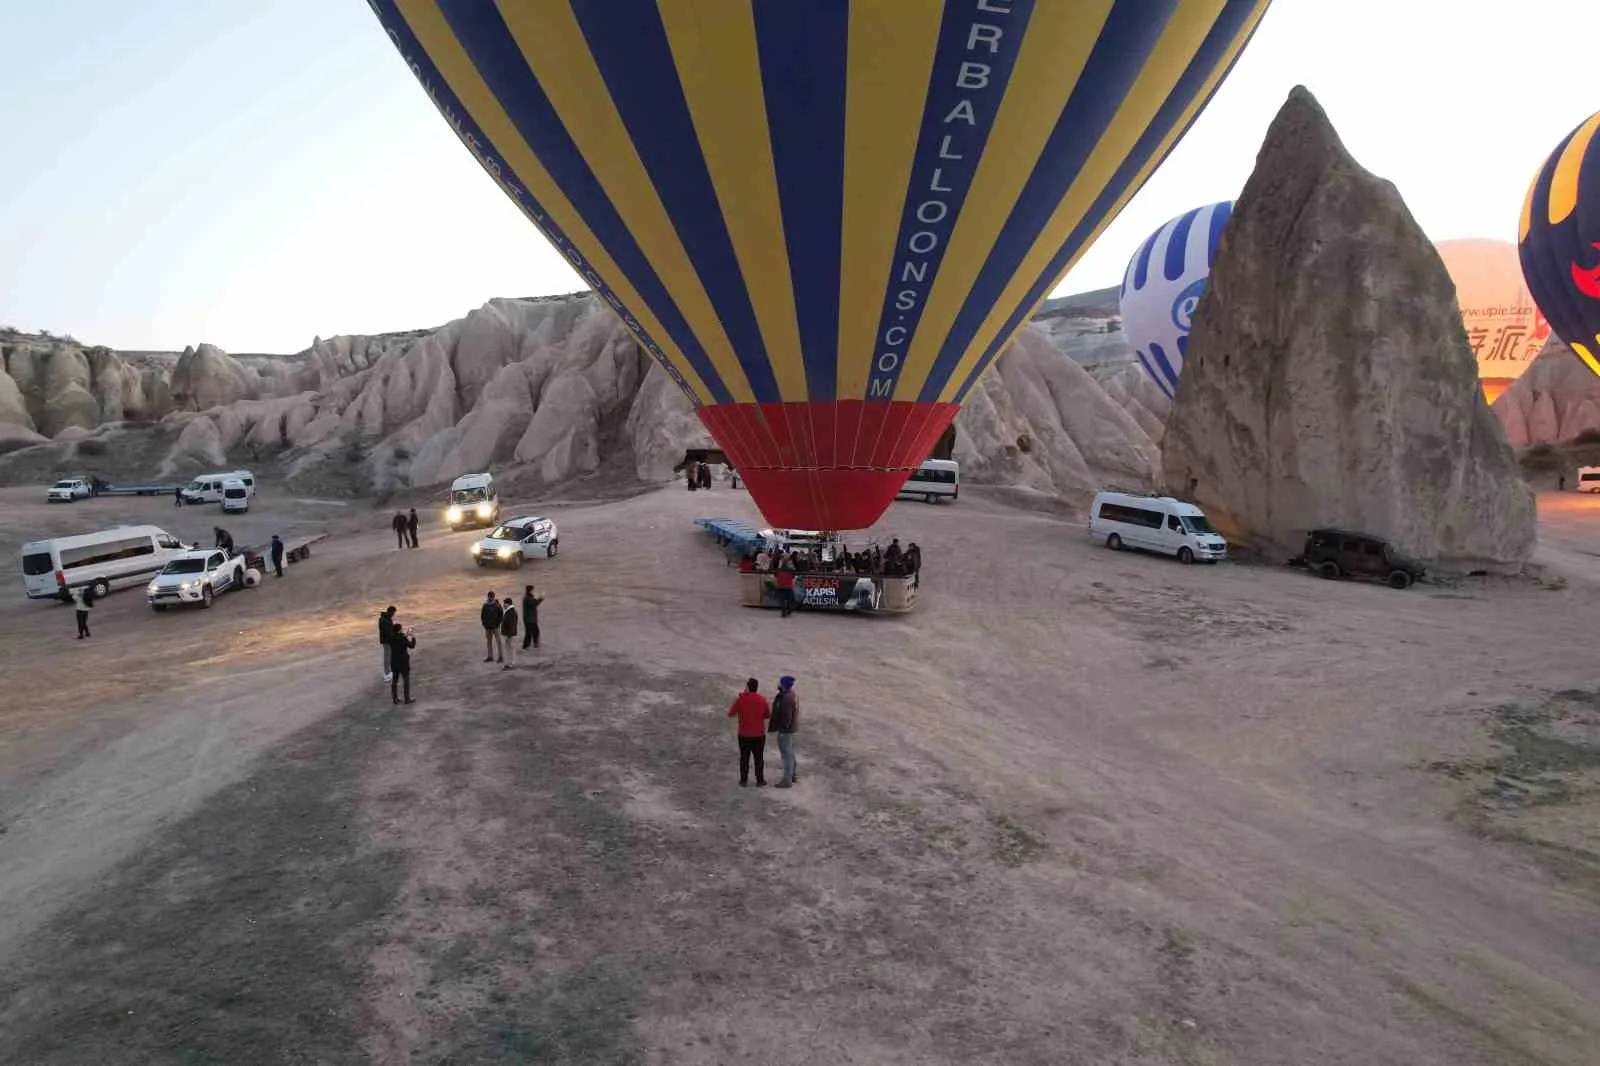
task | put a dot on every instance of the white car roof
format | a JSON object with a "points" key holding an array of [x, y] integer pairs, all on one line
{"points": [[196, 553], [523, 521]]}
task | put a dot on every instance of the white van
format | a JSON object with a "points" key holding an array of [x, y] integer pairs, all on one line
{"points": [[52, 568], [1589, 479], [1155, 523], [235, 496], [934, 480], [207, 488], [473, 502]]}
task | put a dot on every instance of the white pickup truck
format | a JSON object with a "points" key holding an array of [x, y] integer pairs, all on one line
{"points": [[69, 489], [196, 576]]}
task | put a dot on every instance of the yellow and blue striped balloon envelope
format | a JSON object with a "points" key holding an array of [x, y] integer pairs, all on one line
{"points": [[824, 218], [1559, 240]]}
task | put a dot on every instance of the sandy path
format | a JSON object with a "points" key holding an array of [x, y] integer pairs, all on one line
{"points": [[1075, 801]]}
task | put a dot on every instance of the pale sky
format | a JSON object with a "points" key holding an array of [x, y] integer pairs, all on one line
{"points": [[254, 174]]}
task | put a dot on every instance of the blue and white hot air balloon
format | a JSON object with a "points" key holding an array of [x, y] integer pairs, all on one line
{"points": [[1163, 285]]}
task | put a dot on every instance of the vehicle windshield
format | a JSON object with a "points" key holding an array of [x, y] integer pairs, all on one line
{"points": [[1198, 524], [508, 533], [185, 566], [463, 496], [62, 485], [35, 565]]}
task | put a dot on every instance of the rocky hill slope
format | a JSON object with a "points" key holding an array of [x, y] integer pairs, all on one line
{"points": [[1555, 401], [556, 386]]}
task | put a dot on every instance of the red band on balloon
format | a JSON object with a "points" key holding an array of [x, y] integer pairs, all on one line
{"points": [[826, 465]]}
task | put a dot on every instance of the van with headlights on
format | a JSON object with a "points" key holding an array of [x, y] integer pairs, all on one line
{"points": [[473, 502]]}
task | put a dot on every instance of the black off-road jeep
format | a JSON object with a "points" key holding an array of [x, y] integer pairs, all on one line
{"points": [[1334, 553]]}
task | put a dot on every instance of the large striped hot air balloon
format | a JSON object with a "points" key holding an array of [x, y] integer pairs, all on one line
{"points": [[1559, 240], [1163, 284], [824, 218]]}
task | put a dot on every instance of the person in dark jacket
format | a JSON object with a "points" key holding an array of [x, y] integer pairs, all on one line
{"points": [[224, 539], [398, 524], [705, 476], [489, 616], [785, 721], [752, 712], [530, 618], [385, 631], [275, 553], [411, 526], [400, 645], [177, 497], [508, 631]]}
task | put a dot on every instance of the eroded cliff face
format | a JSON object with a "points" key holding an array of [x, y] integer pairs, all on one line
{"points": [[1328, 380], [1556, 400], [558, 386]]}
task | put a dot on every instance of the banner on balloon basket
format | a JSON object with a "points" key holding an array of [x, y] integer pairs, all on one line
{"points": [[833, 592]]}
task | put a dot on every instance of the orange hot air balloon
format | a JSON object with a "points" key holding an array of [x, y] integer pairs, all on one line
{"points": [[824, 218], [1503, 324]]}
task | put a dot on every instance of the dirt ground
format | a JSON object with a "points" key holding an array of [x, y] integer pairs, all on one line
{"points": [[1080, 807]]}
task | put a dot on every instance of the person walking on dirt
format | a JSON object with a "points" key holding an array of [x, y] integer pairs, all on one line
{"points": [[386, 629], [489, 616], [752, 712], [400, 645], [177, 497], [411, 526], [398, 523], [785, 720], [530, 618], [82, 601], [275, 553]]}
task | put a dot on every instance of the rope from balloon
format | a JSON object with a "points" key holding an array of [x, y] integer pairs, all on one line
{"points": [[834, 465]]}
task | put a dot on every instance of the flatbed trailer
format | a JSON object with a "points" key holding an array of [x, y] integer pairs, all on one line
{"points": [[295, 549], [736, 536], [138, 490]]}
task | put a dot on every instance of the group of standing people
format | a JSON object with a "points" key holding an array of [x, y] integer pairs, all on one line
{"points": [[405, 529], [397, 645], [697, 475], [501, 620], [756, 718]]}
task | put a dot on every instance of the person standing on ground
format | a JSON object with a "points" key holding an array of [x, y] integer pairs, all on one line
{"points": [[411, 526], [400, 645], [1562, 485], [752, 712], [530, 618], [385, 631], [398, 524], [489, 616], [785, 721], [705, 476], [82, 601], [275, 553], [784, 578], [177, 497], [508, 631]]}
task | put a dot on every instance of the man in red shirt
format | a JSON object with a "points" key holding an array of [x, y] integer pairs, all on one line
{"points": [[752, 712], [784, 579]]}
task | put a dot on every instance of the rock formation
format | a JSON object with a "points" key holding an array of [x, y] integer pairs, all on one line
{"points": [[1556, 399], [1328, 379], [557, 386]]}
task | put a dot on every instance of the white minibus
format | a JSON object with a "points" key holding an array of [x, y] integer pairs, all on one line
{"points": [[235, 496], [1589, 479], [207, 488], [934, 480], [1155, 523], [52, 568]]}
